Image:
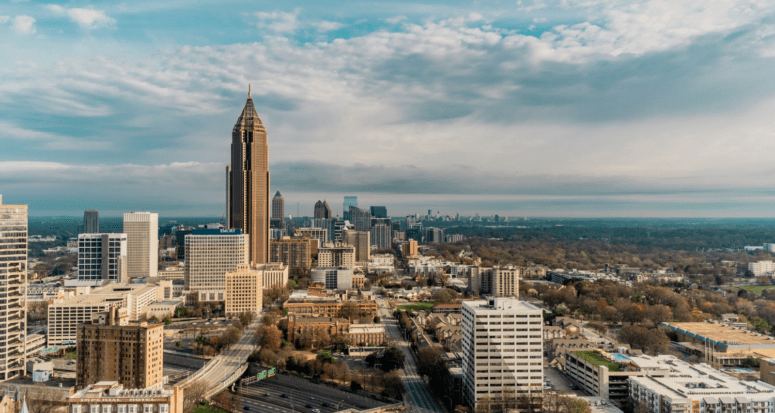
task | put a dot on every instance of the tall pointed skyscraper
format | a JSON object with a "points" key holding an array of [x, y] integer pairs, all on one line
{"points": [[250, 182], [278, 211]]}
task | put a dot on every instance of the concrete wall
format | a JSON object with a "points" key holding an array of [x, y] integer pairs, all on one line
{"points": [[184, 359]]}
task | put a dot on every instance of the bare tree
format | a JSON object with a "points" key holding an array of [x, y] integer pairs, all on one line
{"points": [[192, 395], [43, 399]]}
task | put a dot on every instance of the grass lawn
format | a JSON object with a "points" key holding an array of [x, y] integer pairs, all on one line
{"points": [[597, 360], [70, 356], [207, 409], [417, 306], [757, 289]]}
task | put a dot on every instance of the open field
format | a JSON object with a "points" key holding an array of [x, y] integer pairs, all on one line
{"points": [[757, 289], [417, 306]]}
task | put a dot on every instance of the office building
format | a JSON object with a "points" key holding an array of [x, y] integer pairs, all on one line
{"points": [[381, 236], [244, 290], [339, 228], [111, 397], [102, 257], [360, 218], [415, 232], [336, 255], [495, 281], [249, 179], [360, 240], [293, 252], [322, 210], [142, 244], [699, 388], [349, 201], [13, 278], [305, 330], [502, 352], [278, 211], [379, 212], [328, 225], [275, 275], [91, 221], [210, 254], [109, 349], [319, 234], [729, 344], [332, 278]]}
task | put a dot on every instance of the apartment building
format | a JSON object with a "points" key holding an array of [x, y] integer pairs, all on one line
{"points": [[244, 290], [362, 243], [110, 349], [336, 255], [699, 388], [275, 275], [495, 281], [502, 352], [210, 254], [293, 252], [312, 306], [319, 234], [332, 278], [13, 278]]}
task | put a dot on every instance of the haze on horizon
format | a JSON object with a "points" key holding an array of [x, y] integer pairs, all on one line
{"points": [[519, 108]]}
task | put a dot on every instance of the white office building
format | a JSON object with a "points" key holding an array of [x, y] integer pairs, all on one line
{"points": [[102, 257], [502, 352], [142, 244], [210, 254], [761, 268], [336, 255]]}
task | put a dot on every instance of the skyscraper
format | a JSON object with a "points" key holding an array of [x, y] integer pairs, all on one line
{"points": [[349, 201], [379, 212], [102, 257], [91, 221], [13, 278], [322, 210], [142, 244], [360, 218], [250, 181], [278, 211], [210, 254]]}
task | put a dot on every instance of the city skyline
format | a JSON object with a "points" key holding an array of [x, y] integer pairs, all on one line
{"points": [[592, 109]]}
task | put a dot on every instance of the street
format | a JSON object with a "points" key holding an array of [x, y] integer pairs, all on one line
{"points": [[418, 398]]}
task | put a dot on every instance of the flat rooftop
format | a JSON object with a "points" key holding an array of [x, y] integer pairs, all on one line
{"points": [[731, 338]]}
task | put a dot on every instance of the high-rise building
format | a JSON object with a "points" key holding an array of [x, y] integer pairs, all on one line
{"points": [[13, 278], [278, 211], [328, 225], [336, 255], [228, 196], [91, 221], [434, 234], [332, 278], [381, 236], [319, 234], [244, 290], [339, 228], [111, 349], [379, 212], [180, 241], [495, 281], [360, 218], [360, 240], [250, 182], [322, 210], [409, 249], [349, 201], [102, 257], [142, 244], [293, 252], [210, 254], [502, 352]]}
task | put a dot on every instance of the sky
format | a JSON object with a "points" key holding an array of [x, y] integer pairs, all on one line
{"points": [[565, 108]]}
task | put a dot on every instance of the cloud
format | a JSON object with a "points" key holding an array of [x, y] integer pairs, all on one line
{"points": [[87, 18], [4, 19], [47, 140], [278, 21], [23, 24], [395, 20]]}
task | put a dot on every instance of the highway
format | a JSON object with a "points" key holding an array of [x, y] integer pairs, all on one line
{"points": [[270, 393], [417, 397]]}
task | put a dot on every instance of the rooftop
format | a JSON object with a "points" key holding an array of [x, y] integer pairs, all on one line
{"points": [[728, 337]]}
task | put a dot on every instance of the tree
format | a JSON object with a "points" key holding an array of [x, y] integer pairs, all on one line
{"points": [[270, 337], [393, 359], [446, 296], [230, 336], [392, 385], [192, 395], [43, 400], [376, 320], [227, 401]]}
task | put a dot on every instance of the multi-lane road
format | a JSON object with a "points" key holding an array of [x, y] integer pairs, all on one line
{"points": [[418, 397], [270, 394]]}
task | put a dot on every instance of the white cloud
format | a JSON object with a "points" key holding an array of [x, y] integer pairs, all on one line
{"points": [[4, 19], [278, 21], [326, 26], [87, 18], [24, 24], [395, 20]]}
